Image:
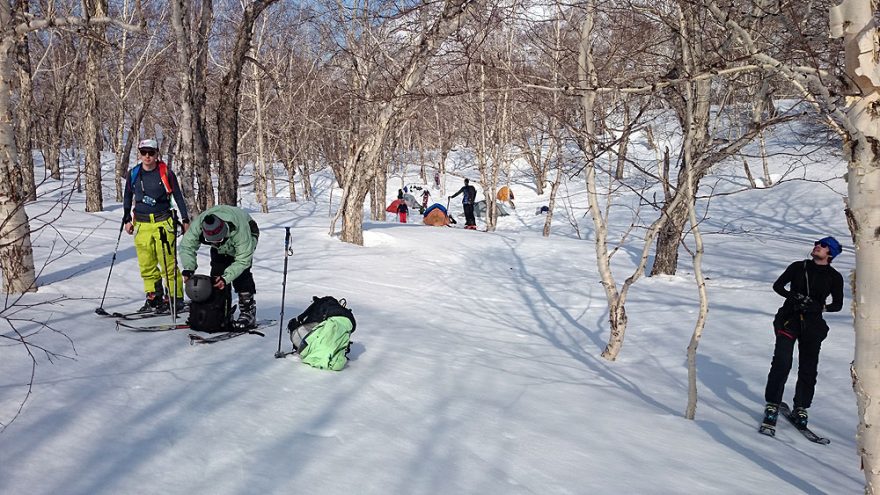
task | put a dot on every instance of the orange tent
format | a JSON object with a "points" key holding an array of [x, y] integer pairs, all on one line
{"points": [[504, 194], [436, 216]]}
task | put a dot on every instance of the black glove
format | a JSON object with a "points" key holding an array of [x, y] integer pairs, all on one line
{"points": [[187, 273]]}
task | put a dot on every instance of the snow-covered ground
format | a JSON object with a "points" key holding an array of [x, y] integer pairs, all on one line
{"points": [[475, 367]]}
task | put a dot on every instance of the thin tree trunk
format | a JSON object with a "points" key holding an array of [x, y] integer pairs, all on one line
{"points": [[623, 145], [201, 146], [91, 126], [260, 182], [229, 102], [687, 148], [768, 181], [749, 176], [181, 26], [552, 204]]}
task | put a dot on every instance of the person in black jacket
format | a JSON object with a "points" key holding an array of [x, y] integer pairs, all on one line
{"points": [[800, 320], [467, 202]]}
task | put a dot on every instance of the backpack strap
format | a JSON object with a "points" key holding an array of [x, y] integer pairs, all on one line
{"points": [[163, 174]]}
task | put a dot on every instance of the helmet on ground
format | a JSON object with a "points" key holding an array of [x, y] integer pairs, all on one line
{"points": [[199, 288]]}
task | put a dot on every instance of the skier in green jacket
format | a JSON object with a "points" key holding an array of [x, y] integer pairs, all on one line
{"points": [[232, 235]]}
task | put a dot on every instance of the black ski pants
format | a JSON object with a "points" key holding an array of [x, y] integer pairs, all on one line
{"points": [[809, 334], [469, 218], [220, 262]]}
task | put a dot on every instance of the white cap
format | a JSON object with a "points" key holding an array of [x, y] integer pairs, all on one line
{"points": [[148, 144]]}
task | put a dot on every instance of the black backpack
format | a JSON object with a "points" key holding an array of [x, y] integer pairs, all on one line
{"points": [[213, 315], [321, 309]]}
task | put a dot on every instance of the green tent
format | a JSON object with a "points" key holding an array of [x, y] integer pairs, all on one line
{"points": [[480, 209]]}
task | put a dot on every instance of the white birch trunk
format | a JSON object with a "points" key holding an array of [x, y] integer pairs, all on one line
{"points": [[854, 21], [16, 254], [260, 183], [687, 147]]}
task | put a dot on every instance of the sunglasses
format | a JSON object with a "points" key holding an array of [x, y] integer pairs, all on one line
{"points": [[820, 243], [147, 152]]}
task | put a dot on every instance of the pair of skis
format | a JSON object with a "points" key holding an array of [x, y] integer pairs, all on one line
{"points": [[785, 411], [165, 324], [137, 315], [153, 322]]}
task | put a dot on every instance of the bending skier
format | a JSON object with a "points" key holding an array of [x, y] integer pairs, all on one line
{"points": [[800, 320], [232, 235]]}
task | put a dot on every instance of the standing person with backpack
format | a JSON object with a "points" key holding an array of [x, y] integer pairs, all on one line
{"points": [[467, 202], [150, 186], [800, 320], [232, 235]]}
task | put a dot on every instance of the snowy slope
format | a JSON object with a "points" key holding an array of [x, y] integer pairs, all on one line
{"points": [[476, 366]]}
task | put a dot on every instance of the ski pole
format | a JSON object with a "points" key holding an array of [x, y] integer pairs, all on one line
{"points": [[163, 237], [100, 310], [287, 254], [175, 224]]}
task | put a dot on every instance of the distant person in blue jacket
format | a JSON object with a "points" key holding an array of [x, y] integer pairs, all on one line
{"points": [[467, 202]]}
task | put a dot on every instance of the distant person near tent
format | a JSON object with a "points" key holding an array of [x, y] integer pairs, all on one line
{"points": [[800, 320], [150, 186], [232, 235], [425, 197], [437, 180], [399, 206], [469, 195], [402, 210]]}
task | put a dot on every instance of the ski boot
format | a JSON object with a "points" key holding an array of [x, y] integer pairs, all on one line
{"points": [[247, 311], [179, 305], [768, 424], [800, 418], [153, 302]]}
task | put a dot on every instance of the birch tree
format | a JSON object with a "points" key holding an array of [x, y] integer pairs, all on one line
{"points": [[855, 22]]}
